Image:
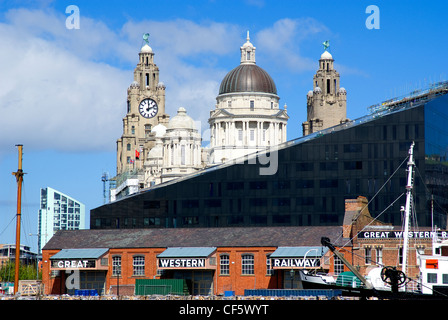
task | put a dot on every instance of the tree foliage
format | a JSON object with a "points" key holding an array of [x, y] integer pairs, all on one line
{"points": [[26, 272]]}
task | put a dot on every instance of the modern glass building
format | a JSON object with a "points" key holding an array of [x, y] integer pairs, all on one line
{"points": [[58, 211], [305, 182]]}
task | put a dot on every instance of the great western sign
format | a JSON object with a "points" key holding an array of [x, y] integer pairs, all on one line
{"points": [[400, 234], [181, 262], [299, 263]]}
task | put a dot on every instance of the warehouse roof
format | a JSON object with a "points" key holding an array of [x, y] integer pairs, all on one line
{"points": [[195, 237]]}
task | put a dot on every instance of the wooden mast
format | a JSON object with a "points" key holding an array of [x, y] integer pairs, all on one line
{"points": [[19, 177]]}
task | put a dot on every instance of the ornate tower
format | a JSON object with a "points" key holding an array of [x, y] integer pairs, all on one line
{"points": [[327, 102], [145, 109], [247, 117]]}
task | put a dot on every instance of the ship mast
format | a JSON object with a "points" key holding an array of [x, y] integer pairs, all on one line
{"points": [[19, 177], [407, 209]]}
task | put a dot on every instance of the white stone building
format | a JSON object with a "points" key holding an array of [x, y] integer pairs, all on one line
{"points": [[247, 117], [154, 149]]}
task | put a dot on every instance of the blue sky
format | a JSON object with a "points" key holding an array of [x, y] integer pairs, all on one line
{"points": [[63, 91]]}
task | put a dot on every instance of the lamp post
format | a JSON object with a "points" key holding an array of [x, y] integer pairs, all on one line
{"points": [[291, 273]]}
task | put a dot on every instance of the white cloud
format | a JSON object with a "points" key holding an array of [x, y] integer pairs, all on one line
{"points": [[66, 89], [53, 94], [281, 42]]}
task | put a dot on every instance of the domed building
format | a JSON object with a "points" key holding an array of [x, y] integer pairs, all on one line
{"points": [[181, 147], [247, 117]]}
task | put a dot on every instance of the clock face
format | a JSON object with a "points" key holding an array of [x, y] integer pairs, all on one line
{"points": [[148, 108]]}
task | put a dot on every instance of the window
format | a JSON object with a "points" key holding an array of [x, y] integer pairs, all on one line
{"points": [[445, 278], [281, 202], [133, 130], [282, 184], [151, 221], [368, 255], [353, 147], [247, 266], [258, 202], [328, 83], [240, 135], [252, 134], [190, 204], [212, 203], [432, 278], [128, 147], [328, 183], [379, 256], [304, 184], [190, 220], [305, 166], [235, 185], [338, 265], [116, 266], [328, 166], [139, 265], [147, 130], [269, 270], [352, 165], [252, 105], [224, 263], [147, 79], [257, 185]]}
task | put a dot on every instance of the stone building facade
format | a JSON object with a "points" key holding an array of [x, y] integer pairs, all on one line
{"points": [[327, 102], [247, 117]]}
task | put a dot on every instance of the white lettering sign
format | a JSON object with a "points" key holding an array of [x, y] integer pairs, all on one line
{"points": [[72, 264], [399, 234], [295, 263], [182, 263]]}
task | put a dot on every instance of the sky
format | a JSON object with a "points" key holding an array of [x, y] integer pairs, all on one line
{"points": [[64, 74]]}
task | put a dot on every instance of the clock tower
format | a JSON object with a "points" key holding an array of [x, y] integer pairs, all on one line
{"points": [[327, 102], [145, 110]]}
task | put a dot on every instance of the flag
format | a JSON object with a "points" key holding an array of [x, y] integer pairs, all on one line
{"points": [[137, 154]]}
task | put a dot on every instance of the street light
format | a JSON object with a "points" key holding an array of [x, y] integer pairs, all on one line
{"points": [[291, 273]]}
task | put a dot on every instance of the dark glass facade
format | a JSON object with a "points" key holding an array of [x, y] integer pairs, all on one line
{"points": [[314, 176]]}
